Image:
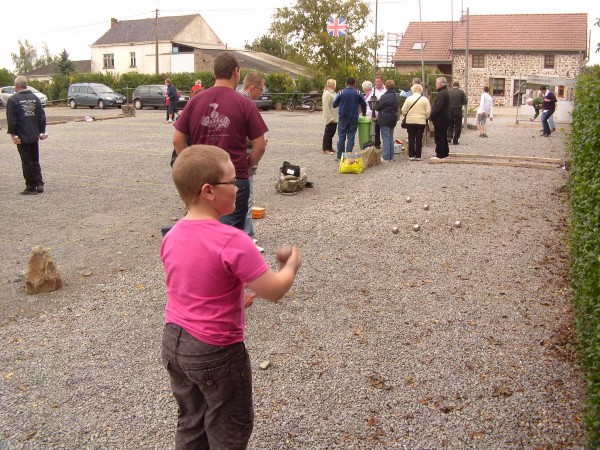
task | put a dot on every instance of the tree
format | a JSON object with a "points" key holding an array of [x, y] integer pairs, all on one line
{"points": [[64, 65], [7, 78], [25, 59], [303, 28]]}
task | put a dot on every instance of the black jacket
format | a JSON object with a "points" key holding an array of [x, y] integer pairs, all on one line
{"points": [[457, 98], [388, 109], [25, 116], [441, 107]]}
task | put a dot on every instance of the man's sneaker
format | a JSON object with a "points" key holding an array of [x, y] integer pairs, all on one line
{"points": [[411, 158], [553, 130], [29, 192], [260, 249], [40, 189], [416, 159]]}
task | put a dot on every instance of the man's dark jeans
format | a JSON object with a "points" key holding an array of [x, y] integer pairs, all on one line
{"points": [[30, 161], [545, 116], [238, 217], [213, 389], [455, 127], [346, 130], [441, 138]]}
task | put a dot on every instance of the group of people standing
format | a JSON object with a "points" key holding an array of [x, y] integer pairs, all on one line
{"points": [[341, 111]]}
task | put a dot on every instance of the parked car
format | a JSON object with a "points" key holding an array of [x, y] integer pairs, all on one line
{"points": [[264, 101], [8, 91], [154, 95], [92, 95]]}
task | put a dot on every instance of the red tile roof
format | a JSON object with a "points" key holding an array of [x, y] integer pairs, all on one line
{"points": [[510, 32], [436, 36], [525, 32]]}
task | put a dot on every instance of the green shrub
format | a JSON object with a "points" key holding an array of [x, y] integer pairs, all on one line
{"points": [[281, 85], [584, 186]]}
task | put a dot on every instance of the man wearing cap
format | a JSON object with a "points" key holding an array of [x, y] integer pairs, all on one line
{"points": [[348, 100], [548, 107]]}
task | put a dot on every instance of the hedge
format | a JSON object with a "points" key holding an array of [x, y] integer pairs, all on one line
{"points": [[584, 187]]}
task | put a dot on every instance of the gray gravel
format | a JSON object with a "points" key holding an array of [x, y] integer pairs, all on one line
{"points": [[442, 338]]}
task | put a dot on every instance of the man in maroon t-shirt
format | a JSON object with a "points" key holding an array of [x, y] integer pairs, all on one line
{"points": [[220, 116]]}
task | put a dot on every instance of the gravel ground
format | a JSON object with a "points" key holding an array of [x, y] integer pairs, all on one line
{"points": [[442, 338]]}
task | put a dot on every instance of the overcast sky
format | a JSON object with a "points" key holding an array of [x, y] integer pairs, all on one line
{"points": [[74, 26]]}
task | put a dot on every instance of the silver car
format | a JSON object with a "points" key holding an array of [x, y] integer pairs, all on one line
{"points": [[8, 91]]}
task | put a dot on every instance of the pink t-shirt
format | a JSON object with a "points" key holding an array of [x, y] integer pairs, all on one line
{"points": [[222, 117], [207, 265]]}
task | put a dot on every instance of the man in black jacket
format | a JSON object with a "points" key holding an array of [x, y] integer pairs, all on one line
{"points": [[457, 100], [440, 117], [27, 125]]}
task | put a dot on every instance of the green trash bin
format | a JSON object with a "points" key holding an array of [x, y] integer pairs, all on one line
{"points": [[364, 130]]}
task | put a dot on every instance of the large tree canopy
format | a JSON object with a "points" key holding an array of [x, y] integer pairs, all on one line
{"points": [[27, 57], [301, 35]]}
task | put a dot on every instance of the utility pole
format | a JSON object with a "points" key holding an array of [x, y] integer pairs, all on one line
{"points": [[375, 54], [467, 69], [422, 61], [156, 42]]}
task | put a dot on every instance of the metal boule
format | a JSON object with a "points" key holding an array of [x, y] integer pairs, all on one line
{"points": [[426, 207], [416, 227], [457, 224], [408, 199], [395, 230]]}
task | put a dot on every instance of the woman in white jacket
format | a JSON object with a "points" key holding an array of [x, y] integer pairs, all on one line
{"points": [[416, 109]]}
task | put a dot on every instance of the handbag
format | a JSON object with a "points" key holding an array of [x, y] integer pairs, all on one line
{"points": [[351, 162], [290, 169], [403, 123]]}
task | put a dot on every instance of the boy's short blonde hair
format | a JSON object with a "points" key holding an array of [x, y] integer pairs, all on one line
{"points": [[195, 166]]}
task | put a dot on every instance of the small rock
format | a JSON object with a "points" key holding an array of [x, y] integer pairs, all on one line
{"points": [[264, 364], [42, 275]]}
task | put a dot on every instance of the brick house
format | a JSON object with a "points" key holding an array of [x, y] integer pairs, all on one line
{"points": [[185, 44], [504, 50]]}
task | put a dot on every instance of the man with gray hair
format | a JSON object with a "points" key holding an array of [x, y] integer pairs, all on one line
{"points": [[440, 116], [27, 125], [252, 87], [458, 99]]}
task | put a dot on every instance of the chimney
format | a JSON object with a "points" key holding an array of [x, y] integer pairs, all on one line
{"points": [[113, 22]]}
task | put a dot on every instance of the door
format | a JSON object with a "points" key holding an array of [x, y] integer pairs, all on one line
{"points": [[518, 92]]}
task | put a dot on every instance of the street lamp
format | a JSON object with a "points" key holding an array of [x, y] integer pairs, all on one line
{"points": [[373, 102]]}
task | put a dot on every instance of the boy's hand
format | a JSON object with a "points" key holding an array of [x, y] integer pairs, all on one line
{"points": [[249, 299], [287, 255]]}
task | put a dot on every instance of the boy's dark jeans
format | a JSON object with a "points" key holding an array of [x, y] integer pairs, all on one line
{"points": [[213, 389]]}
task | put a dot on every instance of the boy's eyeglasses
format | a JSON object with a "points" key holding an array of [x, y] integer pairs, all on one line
{"points": [[226, 182]]}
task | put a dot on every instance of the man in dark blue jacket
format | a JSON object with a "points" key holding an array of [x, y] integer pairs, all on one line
{"points": [[348, 100], [27, 125], [548, 106]]}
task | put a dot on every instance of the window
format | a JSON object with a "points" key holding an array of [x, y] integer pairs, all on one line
{"points": [[548, 61], [418, 46], [109, 61], [132, 59], [478, 61], [560, 91], [497, 85]]}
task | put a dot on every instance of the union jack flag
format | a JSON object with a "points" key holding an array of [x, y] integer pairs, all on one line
{"points": [[336, 26]]}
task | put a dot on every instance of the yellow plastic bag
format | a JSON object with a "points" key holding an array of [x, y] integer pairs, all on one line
{"points": [[351, 163]]}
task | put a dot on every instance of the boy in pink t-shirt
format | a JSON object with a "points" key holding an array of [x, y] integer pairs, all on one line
{"points": [[208, 266]]}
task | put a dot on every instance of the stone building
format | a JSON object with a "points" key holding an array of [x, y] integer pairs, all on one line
{"points": [[503, 51]]}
